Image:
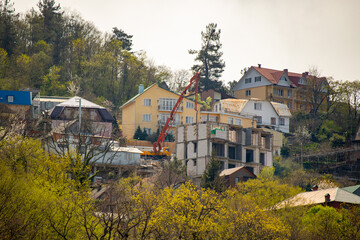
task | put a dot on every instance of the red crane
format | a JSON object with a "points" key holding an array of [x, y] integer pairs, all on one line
{"points": [[170, 121]]}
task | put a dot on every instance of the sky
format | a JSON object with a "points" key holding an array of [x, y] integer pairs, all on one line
{"points": [[278, 34]]}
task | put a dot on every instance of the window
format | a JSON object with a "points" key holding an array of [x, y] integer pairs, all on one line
{"points": [[282, 121], [302, 81], [231, 165], [146, 117], [195, 147], [230, 120], [289, 93], [237, 180], [273, 121], [93, 114], [262, 159], [147, 102], [238, 122], [247, 80], [257, 106], [258, 119], [278, 92], [248, 93], [148, 131], [194, 161], [190, 105], [189, 119], [167, 104], [10, 98], [258, 79], [163, 117]]}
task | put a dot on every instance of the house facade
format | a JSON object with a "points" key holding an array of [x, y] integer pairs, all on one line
{"points": [[150, 109], [95, 119], [235, 175], [270, 114], [279, 86], [16, 103], [233, 145]]}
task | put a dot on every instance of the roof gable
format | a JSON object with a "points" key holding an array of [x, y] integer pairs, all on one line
{"points": [[74, 102]]}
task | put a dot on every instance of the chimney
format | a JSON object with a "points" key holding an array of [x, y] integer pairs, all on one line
{"points": [[327, 198], [259, 65], [305, 74], [286, 70], [141, 88]]}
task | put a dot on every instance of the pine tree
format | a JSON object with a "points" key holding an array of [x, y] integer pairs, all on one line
{"points": [[210, 178], [211, 65]]}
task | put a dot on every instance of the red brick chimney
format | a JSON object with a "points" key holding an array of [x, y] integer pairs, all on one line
{"points": [[305, 74]]}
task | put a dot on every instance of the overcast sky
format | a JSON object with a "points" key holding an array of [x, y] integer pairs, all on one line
{"points": [[279, 34]]}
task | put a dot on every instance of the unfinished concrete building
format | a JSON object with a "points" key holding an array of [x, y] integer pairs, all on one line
{"points": [[233, 145]]}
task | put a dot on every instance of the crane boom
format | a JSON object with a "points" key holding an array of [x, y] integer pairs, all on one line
{"points": [[171, 119]]}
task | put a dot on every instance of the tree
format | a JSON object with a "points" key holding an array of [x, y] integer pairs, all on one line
{"points": [[126, 39], [210, 178], [211, 65], [8, 32]]}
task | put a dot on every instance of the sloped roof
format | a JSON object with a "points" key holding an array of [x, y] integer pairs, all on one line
{"points": [[318, 197], [234, 105], [274, 75], [160, 85], [229, 171], [281, 109], [74, 102], [352, 189]]}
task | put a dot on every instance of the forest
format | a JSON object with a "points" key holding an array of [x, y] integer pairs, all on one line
{"points": [[38, 200]]}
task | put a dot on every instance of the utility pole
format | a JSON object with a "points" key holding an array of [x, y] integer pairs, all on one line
{"points": [[79, 100]]}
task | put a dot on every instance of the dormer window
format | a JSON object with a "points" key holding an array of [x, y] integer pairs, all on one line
{"points": [[302, 81]]}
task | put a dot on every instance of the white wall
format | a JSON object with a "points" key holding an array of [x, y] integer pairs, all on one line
{"points": [[252, 73]]}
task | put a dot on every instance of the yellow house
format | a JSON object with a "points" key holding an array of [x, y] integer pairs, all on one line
{"points": [[280, 86], [150, 109]]}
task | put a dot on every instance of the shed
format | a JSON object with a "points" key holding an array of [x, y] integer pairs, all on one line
{"points": [[235, 175]]}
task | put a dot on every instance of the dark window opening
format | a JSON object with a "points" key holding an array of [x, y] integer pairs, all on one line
{"points": [[262, 158], [231, 165], [232, 153], [249, 155]]}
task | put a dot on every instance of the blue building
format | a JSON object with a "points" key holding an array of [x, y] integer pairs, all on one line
{"points": [[15, 97]]}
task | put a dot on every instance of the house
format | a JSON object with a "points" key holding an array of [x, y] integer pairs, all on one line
{"points": [[48, 102], [281, 86], [235, 175], [95, 119], [353, 189], [16, 103], [233, 145], [269, 114], [214, 95], [150, 109], [333, 197]]}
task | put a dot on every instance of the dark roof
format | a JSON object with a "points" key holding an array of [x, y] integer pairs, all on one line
{"points": [[55, 113], [105, 115]]}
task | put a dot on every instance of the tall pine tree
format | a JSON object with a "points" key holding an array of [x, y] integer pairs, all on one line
{"points": [[211, 65]]}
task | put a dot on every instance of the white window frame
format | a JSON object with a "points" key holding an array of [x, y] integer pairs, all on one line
{"points": [[248, 93], [258, 119], [167, 104], [190, 105], [147, 117], [290, 93], [257, 106], [147, 102], [231, 120], [10, 99], [189, 119], [238, 121]]}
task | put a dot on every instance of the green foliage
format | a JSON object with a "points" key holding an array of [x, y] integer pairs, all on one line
{"points": [[337, 141], [211, 65], [210, 179]]}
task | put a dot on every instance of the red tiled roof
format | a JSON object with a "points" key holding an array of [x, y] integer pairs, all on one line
{"points": [[274, 75]]}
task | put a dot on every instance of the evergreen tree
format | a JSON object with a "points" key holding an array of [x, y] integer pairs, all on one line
{"points": [[8, 18], [138, 133], [210, 178], [126, 39], [211, 65]]}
